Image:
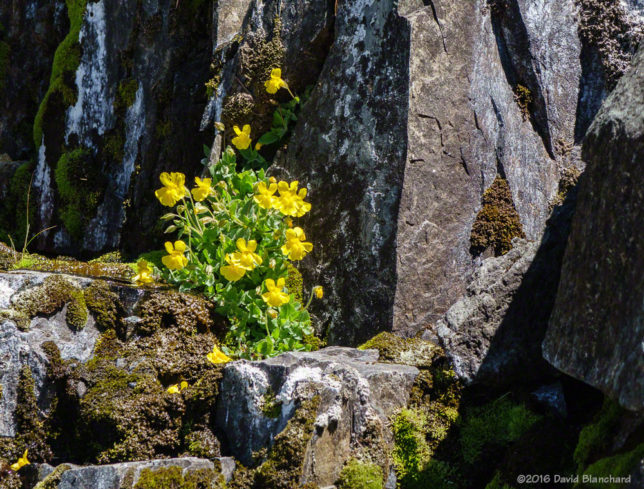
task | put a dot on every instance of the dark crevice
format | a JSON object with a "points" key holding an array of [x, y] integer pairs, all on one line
{"points": [[519, 67]]}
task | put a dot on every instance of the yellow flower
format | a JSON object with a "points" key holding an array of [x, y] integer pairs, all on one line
{"points": [[295, 247], [233, 271], [318, 291], [242, 141], [289, 222], [265, 197], [247, 258], [22, 461], [175, 259], [173, 189], [275, 82], [176, 388], [203, 189], [145, 273], [275, 297], [217, 356], [258, 146], [291, 201]]}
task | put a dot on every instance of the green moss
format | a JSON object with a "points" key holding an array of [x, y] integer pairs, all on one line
{"points": [[66, 61], [96, 269], [295, 283], [13, 216], [174, 478], [53, 479], [495, 424], [406, 351], [30, 428], [271, 408], [49, 298], [595, 439], [126, 93], [497, 223], [283, 465], [596, 476], [524, 99], [360, 475], [411, 453], [113, 147], [79, 185], [105, 305]]}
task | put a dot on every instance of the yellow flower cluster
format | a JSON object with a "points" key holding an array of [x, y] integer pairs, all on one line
{"points": [[290, 201], [241, 261], [174, 188]]}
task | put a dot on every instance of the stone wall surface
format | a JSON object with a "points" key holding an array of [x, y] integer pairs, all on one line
{"points": [[597, 326]]}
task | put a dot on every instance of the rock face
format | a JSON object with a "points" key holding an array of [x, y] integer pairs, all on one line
{"points": [[493, 88], [597, 326], [30, 31], [355, 398]]}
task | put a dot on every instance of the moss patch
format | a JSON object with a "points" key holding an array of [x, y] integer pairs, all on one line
{"points": [[406, 351], [66, 61], [597, 476], [53, 479], [497, 223], [80, 186], [497, 423], [174, 478], [524, 99], [595, 438], [360, 475]]}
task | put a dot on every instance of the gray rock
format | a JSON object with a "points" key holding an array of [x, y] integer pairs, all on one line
{"points": [[596, 331], [19, 348], [552, 396], [472, 324], [354, 390], [349, 148], [126, 475]]}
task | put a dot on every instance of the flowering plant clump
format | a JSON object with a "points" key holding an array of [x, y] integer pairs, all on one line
{"points": [[236, 238]]}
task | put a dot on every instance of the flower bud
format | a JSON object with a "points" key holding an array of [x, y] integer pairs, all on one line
{"points": [[220, 126], [272, 313], [271, 263]]}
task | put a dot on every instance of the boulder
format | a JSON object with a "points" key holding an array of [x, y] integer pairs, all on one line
{"points": [[347, 395], [596, 330]]}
